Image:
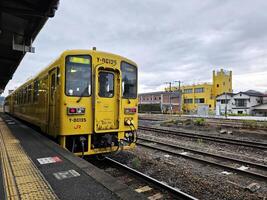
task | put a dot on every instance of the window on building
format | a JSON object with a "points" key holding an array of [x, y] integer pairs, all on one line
{"points": [[241, 103], [223, 101], [188, 101], [199, 90], [199, 100], [188, 91]]}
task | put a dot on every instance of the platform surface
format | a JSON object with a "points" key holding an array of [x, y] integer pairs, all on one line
{"points": [[34, 167]]}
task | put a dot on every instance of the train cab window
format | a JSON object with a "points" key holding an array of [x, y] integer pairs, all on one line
{"points": [[78, 76], [129, 80], [106, 84]]}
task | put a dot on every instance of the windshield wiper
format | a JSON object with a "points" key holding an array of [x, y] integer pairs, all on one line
{"points": [[81, 96]]}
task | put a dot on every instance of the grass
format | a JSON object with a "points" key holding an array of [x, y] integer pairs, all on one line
{"points": [[199, 122], [136, 163]]}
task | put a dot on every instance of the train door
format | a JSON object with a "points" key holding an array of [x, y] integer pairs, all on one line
{"points": [[52, 102], [107, 93]]}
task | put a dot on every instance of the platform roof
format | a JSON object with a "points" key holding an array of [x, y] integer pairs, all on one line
{"points": [[20, 22]]}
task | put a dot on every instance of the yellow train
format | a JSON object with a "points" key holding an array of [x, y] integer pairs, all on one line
{"points": [[86, 100]]}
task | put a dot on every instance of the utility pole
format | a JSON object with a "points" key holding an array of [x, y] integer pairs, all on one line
{"points": [[170, 100], [180, 96], [225, 112]]}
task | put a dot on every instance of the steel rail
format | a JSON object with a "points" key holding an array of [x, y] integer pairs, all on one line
{"points": [[205, 137], [252, 174], [154, 181], [256, 165]]}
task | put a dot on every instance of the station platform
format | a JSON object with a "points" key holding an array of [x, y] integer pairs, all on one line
{"points": [[34, 167]]}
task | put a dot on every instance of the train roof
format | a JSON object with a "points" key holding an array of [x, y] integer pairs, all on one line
{"points": [[72, 52]]}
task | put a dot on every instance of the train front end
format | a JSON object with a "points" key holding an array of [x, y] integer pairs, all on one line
{"points": [[99, 109]]}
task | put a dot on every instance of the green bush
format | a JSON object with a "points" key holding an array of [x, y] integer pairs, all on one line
{"points": [[199, 121]]}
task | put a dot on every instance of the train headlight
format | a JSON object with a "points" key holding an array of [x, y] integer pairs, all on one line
{"points": [[76, 111], [126, 135]]}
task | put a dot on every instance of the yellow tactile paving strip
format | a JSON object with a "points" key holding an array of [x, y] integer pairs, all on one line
{"points": [[22, 179]]}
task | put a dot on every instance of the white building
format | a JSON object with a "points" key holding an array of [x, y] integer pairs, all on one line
{"points": [[239, 103], [224, 102], [261, 110]]}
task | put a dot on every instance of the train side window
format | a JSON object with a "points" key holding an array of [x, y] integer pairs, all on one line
{"points": [[20, 97], [53, 86], [35, 91], [24, 95], [27, 94], [30, 94], [58, 75]]}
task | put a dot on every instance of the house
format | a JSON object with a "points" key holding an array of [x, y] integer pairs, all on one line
{"points": [[162, 102], [239, 103], [261, 110], [223, 103]]}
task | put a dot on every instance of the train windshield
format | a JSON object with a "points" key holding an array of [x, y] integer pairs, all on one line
{"points": [[129, 80], [78, 76]]}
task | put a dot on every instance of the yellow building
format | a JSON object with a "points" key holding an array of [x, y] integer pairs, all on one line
{"points": [[204, 94]]}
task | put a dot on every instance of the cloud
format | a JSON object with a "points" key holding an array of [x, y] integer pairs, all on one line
{"points": [[169, 40]]}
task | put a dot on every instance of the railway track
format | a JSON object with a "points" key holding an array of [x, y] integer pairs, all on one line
{"points": [[232, 164], [149, 181], [250, 144], [259, 125]]}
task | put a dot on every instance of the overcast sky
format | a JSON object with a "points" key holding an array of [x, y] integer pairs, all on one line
{"points": [[169, 40]]}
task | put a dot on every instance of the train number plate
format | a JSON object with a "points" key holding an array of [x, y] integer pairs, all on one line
{"points": [[77, 119]]}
